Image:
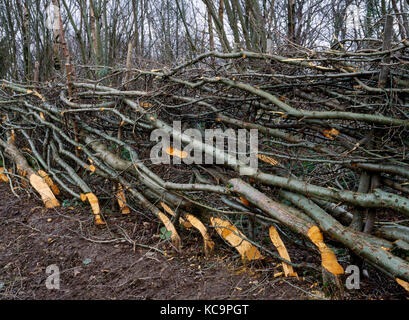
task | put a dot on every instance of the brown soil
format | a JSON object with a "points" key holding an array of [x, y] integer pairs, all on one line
{"points": [[105, 264]]}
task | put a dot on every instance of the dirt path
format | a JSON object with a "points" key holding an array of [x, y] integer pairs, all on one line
{"points": [[103, 264]]}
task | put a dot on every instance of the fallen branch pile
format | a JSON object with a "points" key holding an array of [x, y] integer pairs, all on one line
{"points": [[332, 148]]}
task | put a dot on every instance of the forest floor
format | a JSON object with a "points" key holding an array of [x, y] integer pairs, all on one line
{"points": [[104, 263]]}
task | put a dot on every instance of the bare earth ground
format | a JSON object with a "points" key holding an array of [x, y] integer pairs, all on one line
{"points": [[104, 264]]}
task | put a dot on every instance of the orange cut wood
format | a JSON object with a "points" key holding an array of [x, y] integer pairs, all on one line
{"points": [[171, 228], [3, 177], [122, 200], [192, 221], [44, 190], [93, 201], [12, 137], [36, 93], [83, 197], [22, 173], [282, 250], [172, 213], [328, 258], [236, 239], [330, 133], [244, 201], [145, 105], [267, 159], [403, 283], [208, 243], [176, 153], [49, 181]]}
